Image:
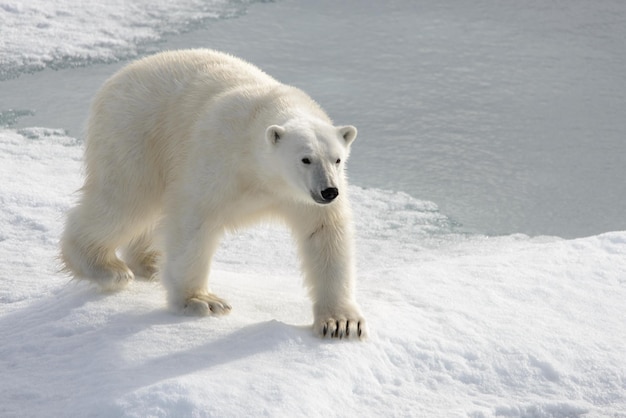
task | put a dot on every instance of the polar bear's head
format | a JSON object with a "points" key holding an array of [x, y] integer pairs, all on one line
{"points": [[310, 156]]}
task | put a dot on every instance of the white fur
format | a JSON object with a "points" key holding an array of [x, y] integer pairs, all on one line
{"points": [[203, 142]]}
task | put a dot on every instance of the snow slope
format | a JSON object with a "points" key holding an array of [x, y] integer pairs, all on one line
{"points": [[461, 325]]}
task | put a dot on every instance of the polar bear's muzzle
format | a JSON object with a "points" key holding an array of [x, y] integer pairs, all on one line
{"points": [[325, 196]]}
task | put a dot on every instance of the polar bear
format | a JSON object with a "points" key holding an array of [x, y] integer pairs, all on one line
{"points": [[194, 143]]}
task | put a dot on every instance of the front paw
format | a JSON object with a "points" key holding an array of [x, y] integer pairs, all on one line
{"points": [[206, 304], [348, 324]]}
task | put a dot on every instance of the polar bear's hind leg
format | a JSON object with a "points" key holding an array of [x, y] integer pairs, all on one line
{"points": [[142, 258], [85, 258], [93, 233]]}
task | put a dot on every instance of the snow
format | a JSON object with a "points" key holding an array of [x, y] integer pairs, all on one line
{"points": [[461, 324], [39, 34]]}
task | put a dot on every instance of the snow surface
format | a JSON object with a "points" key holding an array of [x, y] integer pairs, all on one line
{"points": [[39, 34], [461, 324]]}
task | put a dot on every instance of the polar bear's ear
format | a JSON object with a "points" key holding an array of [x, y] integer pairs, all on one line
{"points": [[274, 133], [348, 133]]}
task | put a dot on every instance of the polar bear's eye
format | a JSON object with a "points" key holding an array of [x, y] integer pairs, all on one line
{"points": [[306, 161], [338, 161]]}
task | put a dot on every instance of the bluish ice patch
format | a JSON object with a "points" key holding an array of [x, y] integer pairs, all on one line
{"points": [[10, 117]]}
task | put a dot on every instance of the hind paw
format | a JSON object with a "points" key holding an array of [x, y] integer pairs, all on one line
{"points": [[112, 278], [147, 267]]}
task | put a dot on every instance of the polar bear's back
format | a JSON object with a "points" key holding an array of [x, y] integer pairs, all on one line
{"points": [[172, 83], [203, 65], [170, 71], [145, 112]]}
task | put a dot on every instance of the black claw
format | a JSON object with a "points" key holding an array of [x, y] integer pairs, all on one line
{"points": [[358, 327], [325, 330], [347, 328]]}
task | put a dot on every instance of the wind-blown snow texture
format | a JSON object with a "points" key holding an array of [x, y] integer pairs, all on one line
{"points": [[462, 325]]}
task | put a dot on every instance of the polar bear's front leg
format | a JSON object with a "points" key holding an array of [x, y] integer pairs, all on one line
{"points": [[189, 251], [327, 256]]}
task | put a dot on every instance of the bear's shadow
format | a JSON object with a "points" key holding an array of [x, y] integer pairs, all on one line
{"points": [[245, 342], [96, 349]]}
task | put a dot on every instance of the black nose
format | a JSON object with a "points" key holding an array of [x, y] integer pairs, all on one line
{"points": [[330, 194]]}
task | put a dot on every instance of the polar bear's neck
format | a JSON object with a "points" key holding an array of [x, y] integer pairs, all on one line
{"points": [[283, 103]]}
